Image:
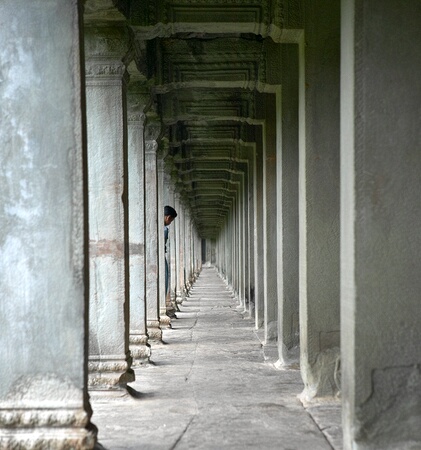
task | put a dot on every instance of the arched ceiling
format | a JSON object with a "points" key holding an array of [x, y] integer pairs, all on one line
{"points": [[208, 65]]}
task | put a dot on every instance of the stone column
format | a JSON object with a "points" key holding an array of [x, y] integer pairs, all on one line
{"points": [[270, 231], [287, 210], [139, 346], [106, 78], [43, 280], [179, 296], [380, 217], [171, 255], [165, 320], [198, 268], [223, 251], [187, 250], [153, 227], [252, 232], [319, 200], [234, 235], [229, 247], [245, 241], [258, 234]]}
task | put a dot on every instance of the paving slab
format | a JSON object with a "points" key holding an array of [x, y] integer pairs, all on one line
{"points": [[209, 387]]}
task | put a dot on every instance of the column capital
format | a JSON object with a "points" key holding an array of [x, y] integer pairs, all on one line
{"points": [[163, 150], [153, 127], [138, 93], [135, 114], [151, 147], [105, 71], [106, 42], [106, 49]]}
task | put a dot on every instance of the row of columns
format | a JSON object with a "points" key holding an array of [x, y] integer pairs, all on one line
{"points": [[82, 268], [333, 266]]}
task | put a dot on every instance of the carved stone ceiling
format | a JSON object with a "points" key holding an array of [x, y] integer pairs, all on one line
{"points": [[208, 65]]}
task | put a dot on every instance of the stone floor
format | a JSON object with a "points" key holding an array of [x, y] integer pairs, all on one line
{"points": [[210, 387]]}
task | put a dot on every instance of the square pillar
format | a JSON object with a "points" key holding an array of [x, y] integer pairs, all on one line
{"points": [[259, 280], [287, 210], [380, 216], [319, 200], [106, 79], [164, 319], [139, 345], [43, 276], [270, 231], [180, 291], [154, 220]]}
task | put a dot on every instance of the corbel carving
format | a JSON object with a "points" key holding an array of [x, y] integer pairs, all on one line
{"points": [[109, 42], [139, 100], [153, 128]]}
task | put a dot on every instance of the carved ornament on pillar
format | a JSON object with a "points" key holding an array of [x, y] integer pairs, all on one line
{"points": [[139, 100], [106, 69], [153, 129], [109, 372], [103, 41], [106, 50], [39, 424], [151, 147]]}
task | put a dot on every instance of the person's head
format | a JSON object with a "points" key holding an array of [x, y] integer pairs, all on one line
{"points": [[169, 215]]}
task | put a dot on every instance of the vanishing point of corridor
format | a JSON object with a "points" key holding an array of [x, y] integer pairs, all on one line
{"points": [[209, 387]]}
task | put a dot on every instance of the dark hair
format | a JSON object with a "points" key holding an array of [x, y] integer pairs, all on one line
{"points": [[170, 211]]}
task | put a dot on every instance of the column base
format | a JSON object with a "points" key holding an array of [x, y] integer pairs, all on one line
{"points": [[46, 428], [180, 297], [170, 308], [139, 349], [108, 373], [321, 379], [165, 321], [154, 330]]}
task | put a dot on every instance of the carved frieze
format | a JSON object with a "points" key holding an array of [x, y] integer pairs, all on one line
{"points": [[104, 69], [43, 417]]}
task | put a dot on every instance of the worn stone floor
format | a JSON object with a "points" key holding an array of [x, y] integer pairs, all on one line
{"points": [[210, 387]]}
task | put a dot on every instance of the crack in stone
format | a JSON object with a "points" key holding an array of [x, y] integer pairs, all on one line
{"points": [[192, 364], [320, 428], [182, 434]]}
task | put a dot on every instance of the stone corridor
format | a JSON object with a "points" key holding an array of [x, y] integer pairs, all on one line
{"points": [[209, 387], [286, 136]]}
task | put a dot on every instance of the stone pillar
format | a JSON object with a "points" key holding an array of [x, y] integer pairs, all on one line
{"points": [[252, 232], [106, 78], [164, 320], [43, 280], [319, 200], [139, 346], [179, 295], [287, 210], [198, 253], [223, 250], [153, 227], [229, 248], [270, 231], [234, 234], [380, 216], [169, 199], [258, 234], [187, 250], [245, 241]]}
